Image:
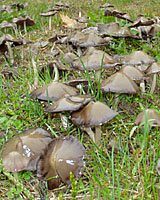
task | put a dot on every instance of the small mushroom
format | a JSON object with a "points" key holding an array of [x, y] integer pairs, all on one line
{"points": [[135, 74], [69, 103], [87, 40], [119, 83], [137, 58], [153, 69], [22, 152], [6, 43], [23, 21], [53, 91], [153, 117], [93, 60], [49, 14], [63, 156], [93, 115]]}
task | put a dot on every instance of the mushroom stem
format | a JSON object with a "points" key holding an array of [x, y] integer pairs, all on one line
{"points": [[115, 104], [142, 86], [10, 53], [56, 73], [153, 83], [98, 134], [50, 23], [64, 121], [35, 72], [90, 133], [25, 27]]}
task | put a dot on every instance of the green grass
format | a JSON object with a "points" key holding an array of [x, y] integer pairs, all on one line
{"points": [[124, 171]]}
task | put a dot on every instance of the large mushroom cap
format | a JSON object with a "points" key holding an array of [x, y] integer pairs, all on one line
{"points": [[69, 103], [94, 114], [53, 91], [138, 57], [153, 117], [87, 40], [132, 72], [21, 20], [119, 83], [93, 60], [64, 155], [23, 151]]}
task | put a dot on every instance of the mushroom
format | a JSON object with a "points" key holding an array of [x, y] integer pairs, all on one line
{"points": [[49, 14], [69, 103], [93, 115], [5, 25], [134, 74], [87, 40], [117, 14], [53, 91], [93, 60], [63, 156], [5, 45], [153, 69], [23, 21], [138, 58], [22, 152], [153, 117], [119, 83]]}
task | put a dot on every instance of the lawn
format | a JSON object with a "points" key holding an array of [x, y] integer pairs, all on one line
{"points": [[124, 165]]}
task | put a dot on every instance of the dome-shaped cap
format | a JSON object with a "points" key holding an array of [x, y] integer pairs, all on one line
{"points": [[94, 114]]}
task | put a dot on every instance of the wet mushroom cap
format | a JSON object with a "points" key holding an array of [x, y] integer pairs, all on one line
{"points": [[153, 117], [69, 103], [23, 151], [119, 83], [53, 91], [63, 155], [94, 114]]}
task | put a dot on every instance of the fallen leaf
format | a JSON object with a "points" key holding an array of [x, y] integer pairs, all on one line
{"points": [[69, 23]]}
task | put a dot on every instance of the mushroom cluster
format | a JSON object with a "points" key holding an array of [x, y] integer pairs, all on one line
{"points": [[36, 149], [84, 102]]}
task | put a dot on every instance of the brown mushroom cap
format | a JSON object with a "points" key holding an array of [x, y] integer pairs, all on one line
{"points": [[23, 151], [153, 117], [154, 68], [94, 114], [87, 40], [138, 57], [20, 21], [92, 60], [69, 103], [53, 91], [119, 83], [132, 72], [63, 155], [6, 24], [48, 14]]}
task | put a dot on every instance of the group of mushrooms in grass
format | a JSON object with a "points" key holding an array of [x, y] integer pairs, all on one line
{"points": [[36, 149]]}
